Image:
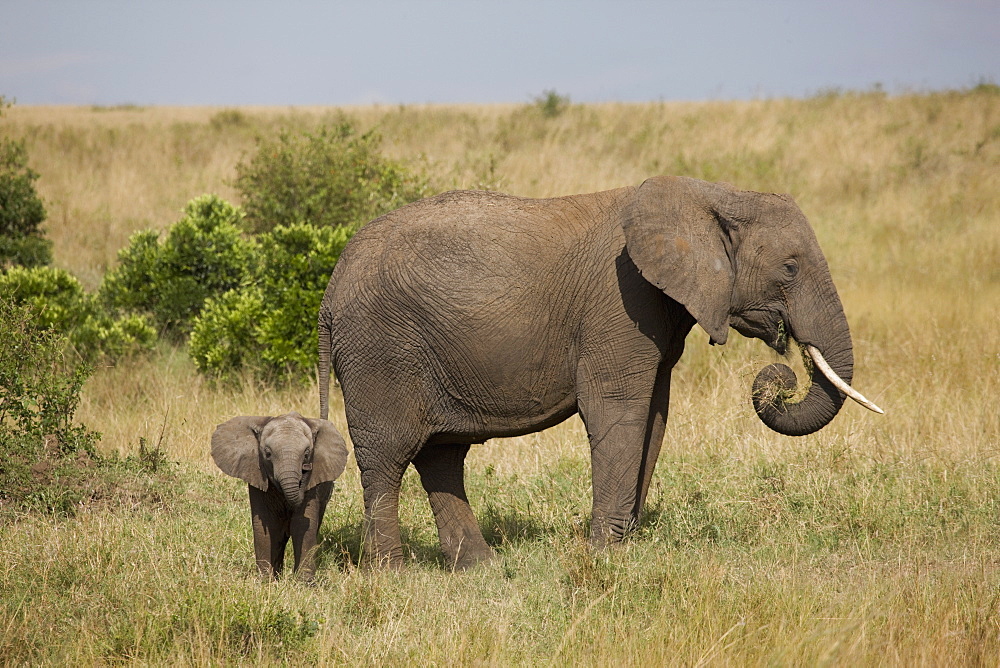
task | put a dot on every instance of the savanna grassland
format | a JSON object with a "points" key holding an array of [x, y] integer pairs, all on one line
{"points": [[873, 541]]}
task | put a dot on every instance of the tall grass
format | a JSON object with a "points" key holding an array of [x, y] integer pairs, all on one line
{"points": [[874, 541]]}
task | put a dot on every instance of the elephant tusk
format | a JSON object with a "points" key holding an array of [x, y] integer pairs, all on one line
{"points": [[838, 382]]}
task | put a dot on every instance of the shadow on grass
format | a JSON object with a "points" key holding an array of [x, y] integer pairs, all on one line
{"points": [[509, 527], [341, 547]]}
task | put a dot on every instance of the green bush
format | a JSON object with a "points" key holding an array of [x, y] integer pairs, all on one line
{"points": [[203, 255], [551, 104], [334, 177], [226, 334], [60, 303], [59, 299], [297, 263], [48, 462], [39, 394], [21, 210], [39, 390], [270, 328]]}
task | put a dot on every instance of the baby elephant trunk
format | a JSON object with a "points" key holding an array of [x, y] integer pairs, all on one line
{"points": [[292, 487]]}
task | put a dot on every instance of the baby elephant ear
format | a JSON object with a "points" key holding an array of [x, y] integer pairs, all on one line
{"points": [[329, 452], [678, 237], [234, 449]]}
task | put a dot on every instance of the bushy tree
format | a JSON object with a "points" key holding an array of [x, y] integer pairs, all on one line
{"points": [[21, 210], [60, 303], [203, 255], [333, 177], [304, 195], [270, 327]]}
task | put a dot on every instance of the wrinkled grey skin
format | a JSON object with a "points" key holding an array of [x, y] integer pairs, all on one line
{"points": [[475, 315], [289, 463]]}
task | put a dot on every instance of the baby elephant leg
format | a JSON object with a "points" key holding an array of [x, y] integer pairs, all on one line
{"points": [[270, 531], [304, 528]]}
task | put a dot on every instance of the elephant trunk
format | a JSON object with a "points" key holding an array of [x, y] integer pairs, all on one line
{"points": [[775, 396], [291, 487]]}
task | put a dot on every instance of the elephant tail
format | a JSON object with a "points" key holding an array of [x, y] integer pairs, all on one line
{"points": [[325, 340]]}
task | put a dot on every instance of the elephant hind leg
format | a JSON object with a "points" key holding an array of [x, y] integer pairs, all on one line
{"points": [[442, 473], [386, 426], [383, 545]]}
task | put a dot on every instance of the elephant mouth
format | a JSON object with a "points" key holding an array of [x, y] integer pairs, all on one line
{"points": [[771, 327], [780, 340]]}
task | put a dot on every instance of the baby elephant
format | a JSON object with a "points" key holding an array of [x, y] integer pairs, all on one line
{"points": [[290, 463]]}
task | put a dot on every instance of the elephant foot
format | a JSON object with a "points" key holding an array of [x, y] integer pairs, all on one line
{"points": [[306, 576], [391, 560], [606, 532], [468, 558], [266, 573], [464, 546]]}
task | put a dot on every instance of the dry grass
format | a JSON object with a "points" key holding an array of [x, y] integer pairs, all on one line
{"points": [[873, 541]]}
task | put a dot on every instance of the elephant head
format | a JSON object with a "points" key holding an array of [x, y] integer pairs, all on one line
{"points": [[749, 261], [290, 451]]}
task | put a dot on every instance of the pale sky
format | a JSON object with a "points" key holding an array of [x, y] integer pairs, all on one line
{"points": [[306, 52]]}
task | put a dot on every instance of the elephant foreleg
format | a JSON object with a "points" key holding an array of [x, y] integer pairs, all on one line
{"points": [[270, 533], [304, 529], [617, 427], [654, 437], [442, 473], [616, 459]]}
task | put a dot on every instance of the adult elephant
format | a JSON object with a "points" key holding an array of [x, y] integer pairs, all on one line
{"points": [[476, 315]]}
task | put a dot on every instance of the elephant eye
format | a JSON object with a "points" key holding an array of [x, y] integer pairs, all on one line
{"points": [[791, 268], [267, 453]]}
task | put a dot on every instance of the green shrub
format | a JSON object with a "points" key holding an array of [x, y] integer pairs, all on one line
{"points": [[21, 210], [226, 334], [203, 255], [39, 390], [334, 177], [29, 251], [298, 261], [58, 298], [39, 394], [270, 328], [60, 303], [48, 462], [551, 104], [228, 118], [110, 337], [530, 125]]}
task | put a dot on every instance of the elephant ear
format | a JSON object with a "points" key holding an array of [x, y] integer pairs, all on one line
{"points": [[679, 239], [235, 449], [329, 452]]}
